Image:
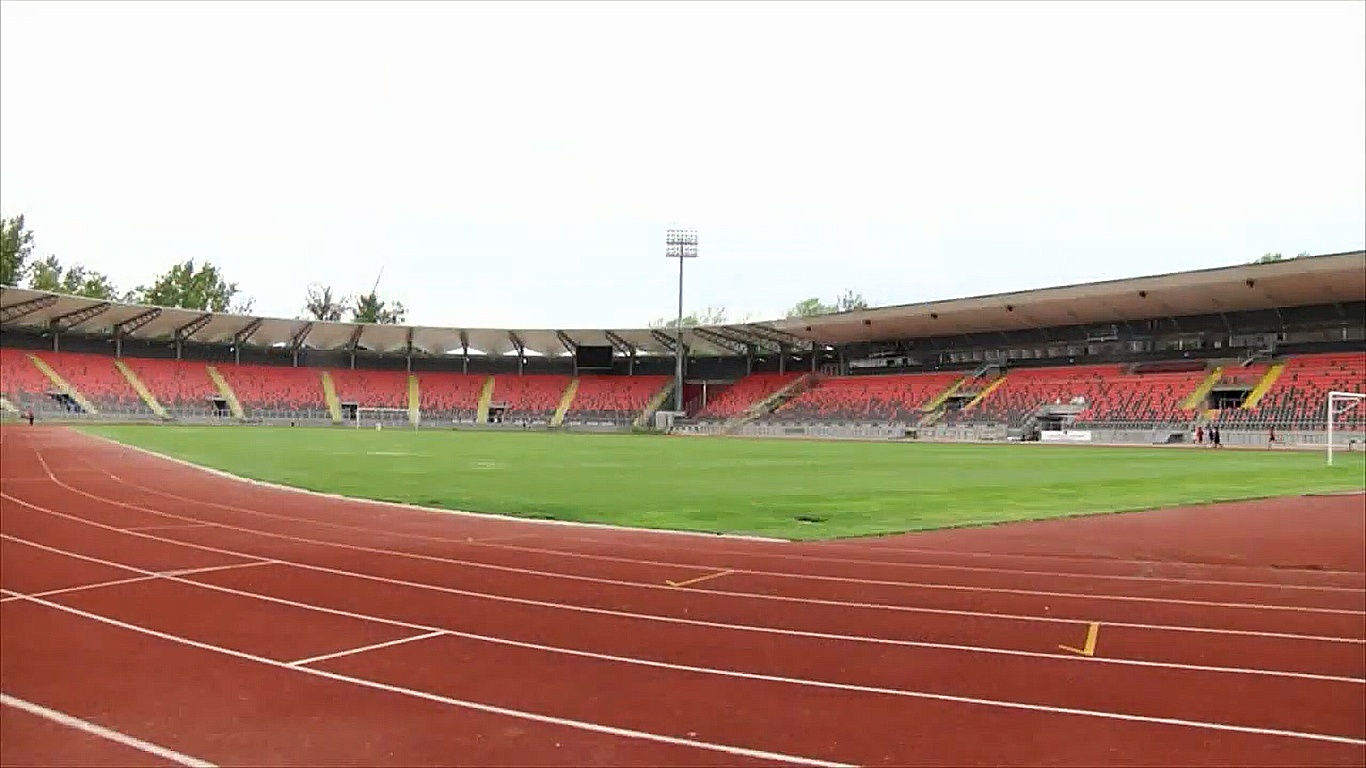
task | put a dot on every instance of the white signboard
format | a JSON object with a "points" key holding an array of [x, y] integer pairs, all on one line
{"points": [[1065, 436]]}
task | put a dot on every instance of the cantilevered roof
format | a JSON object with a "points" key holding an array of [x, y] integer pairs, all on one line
{"points": [[1295, 282], [1324, 279]]}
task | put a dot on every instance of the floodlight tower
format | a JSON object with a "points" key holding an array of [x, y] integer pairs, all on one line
{"points": [[679, 244]]}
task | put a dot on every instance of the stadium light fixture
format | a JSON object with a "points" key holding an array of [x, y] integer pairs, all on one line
{"points": [[679, 244]]}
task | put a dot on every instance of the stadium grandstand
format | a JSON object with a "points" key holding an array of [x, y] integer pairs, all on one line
{"points": [[1147, 359]]}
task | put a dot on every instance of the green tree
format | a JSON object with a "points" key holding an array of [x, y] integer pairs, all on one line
{"points": [[323, 304], [370, 308], [50, 275], [846, 302], [191, 287], [708, 316], [16, 246], [1267, 258]]}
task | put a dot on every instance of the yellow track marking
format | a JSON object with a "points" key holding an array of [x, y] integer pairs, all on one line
{"points": [[1090, 648]]}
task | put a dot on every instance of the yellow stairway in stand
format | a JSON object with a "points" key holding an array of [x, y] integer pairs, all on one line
{"points": [[566, 400], [984, 393], [1263, 386], [656, 402], [225, 389], [1193, 400], [141, 389], [485, 398], [414, 400], [939, 399], [330, 397], [61, 383]]}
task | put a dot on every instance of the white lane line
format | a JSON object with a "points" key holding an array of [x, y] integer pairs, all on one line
{"points": [[751, 572], [212, 568], [149, 575], [620, 529], [870, 547], [710, 591], [1070, 658], [104, 733], [364, 648], [724, 673], [81, 588], [164, 527], [810, 558], [461, 703]]}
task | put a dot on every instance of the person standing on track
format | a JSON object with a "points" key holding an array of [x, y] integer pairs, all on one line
{"points": [[29, 414], [1271, 437]]}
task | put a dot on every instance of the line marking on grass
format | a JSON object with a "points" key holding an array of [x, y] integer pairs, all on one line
{"points": [[1090, 648], [698, 579]]}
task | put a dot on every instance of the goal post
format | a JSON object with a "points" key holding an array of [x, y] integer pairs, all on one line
{"points": [[1338, 404], [380, 418]]}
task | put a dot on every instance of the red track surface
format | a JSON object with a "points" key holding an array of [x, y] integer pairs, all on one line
{"points": [[233, 623]]}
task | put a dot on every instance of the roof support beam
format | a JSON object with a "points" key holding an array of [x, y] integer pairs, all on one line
{"points": [[408, 342], [667, 341], [184, 332], [465, 343], [137, 321], [65, 322], [620, 343], [296, 342], [719, 340], [11, 312], [568, 343], [517, 344], [354, 342], [246, 332]]}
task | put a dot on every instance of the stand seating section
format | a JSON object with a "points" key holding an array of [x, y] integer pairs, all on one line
{"points": [[894, 398], [96, 377], [371, 388], [1299, 397], [20, 380], [264, 387], [176, 384], [742, 394], [1111, 395], [613, 398], [533, 397], [450, 396]]}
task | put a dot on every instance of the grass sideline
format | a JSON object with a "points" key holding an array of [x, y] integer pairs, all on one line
{"points": [[792, 489]]}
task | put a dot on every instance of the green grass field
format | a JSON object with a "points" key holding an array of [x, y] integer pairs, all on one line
{"points": [[762, 487]]}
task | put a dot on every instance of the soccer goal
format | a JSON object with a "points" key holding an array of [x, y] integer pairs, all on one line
{"points": [[379, 418], [1338, 404]]}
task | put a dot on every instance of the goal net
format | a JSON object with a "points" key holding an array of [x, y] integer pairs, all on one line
{"points": [[1340, 403], [381, 418]]}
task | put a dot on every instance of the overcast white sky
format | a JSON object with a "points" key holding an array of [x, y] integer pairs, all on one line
{"points": [[515, 164]]}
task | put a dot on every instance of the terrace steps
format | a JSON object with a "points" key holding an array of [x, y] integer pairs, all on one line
{"points": [[414, 400], [225, 389], [142, 390], [1193, 400], [62, 384], [481, 414], [656, 402], [1269, 380], [330, 397], [770, 402], [986, 392], [939, 399], [566, 400]]}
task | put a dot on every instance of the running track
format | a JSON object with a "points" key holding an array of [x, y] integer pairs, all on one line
{"points": [[158, 614]]}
